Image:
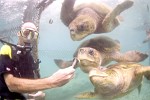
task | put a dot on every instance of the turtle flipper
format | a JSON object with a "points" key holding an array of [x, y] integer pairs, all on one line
{"points": [[144, 71], [130, 56], [86, 95], [110, 18], [135, 56], [121, 7], [139, 88], [66, 11], [62, 64]]}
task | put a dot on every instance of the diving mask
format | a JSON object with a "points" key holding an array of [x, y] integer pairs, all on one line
{"points": [[29, 34]]}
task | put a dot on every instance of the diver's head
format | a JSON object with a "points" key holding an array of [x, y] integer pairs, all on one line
{"points": [[27, 34]]}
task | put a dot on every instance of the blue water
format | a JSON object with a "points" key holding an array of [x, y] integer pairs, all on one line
{"points": [[55, 42]]}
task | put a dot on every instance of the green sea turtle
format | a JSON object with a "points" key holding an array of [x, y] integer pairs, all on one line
{"points": [[109, 50], [115, 80], [88, 18]]}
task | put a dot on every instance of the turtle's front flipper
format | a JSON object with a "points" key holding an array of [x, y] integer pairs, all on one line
{"points": [[130, 56], [86, 95], [110, 19], [139, 88], [145, 70], [66, 14], [122, 7], [62, 64]]}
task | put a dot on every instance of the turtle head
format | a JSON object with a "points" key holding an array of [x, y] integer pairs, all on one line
{"points": [[81, 27], [88, 58]]}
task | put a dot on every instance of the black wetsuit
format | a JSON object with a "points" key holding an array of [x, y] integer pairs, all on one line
{"points": [[21, 66]]}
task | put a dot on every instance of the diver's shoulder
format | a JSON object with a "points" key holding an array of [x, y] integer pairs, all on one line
{"points": [[6, 50], [5, 47]]}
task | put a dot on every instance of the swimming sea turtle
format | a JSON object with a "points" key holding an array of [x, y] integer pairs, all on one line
{"points": [[109, 50], [115, 80], [88, 18]]}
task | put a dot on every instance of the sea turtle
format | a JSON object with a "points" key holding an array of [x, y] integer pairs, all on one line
{"points": [[88, 18], [115, 80], [109, 50]]}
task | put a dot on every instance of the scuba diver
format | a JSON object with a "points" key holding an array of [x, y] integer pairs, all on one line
{"points": [[17, 79]]}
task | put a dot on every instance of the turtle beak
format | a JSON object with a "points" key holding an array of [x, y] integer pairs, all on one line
{"points": [[75, 35], [72, 31]]}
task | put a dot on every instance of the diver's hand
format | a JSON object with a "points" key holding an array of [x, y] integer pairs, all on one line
{"points": [[62, 76], [36, 96]]}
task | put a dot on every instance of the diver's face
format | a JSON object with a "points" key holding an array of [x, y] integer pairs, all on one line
{"points": [[81, 27], [23, 41], [27, 36]]}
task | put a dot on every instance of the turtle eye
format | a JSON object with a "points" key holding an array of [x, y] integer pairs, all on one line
{"points": [[81, 27], [91, 52]]}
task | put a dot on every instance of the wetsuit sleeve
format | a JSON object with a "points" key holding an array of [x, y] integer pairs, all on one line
{"points": [[5, 60]]}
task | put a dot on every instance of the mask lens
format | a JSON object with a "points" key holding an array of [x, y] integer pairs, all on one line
{"points": [[29, 34]]}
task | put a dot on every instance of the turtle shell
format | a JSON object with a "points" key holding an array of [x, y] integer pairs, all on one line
{"points": [[103, 44]]}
